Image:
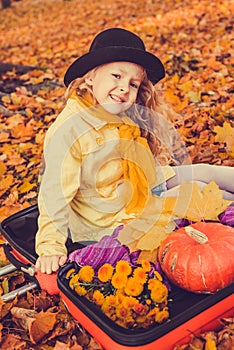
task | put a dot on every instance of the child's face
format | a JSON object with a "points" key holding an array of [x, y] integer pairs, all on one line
{"points": [[115, 85]]}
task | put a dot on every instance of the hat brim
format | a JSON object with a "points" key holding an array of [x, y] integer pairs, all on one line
{"points": [[153, 66]]}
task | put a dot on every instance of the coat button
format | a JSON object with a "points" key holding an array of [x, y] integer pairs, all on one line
{"points": [[99, 141], [111, 126]]}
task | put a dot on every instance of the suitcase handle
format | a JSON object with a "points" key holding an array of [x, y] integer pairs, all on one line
{"points": [[28, 268]]}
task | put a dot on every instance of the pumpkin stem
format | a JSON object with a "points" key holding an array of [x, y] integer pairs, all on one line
{"points": [[199, 236]]}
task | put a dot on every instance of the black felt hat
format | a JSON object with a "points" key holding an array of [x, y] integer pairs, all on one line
{"points": [[112, 45]]}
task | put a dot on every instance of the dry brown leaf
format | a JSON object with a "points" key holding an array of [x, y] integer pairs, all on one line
{"points": [[12, 341], [62, 346], [37, 324], [44, 322], [6, 307]]}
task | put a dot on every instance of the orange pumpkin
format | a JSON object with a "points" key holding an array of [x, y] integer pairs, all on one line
{"points": [[199, 257]]}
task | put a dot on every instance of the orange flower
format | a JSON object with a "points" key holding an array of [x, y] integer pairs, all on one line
{"points": [[123, 267], [111, 300], [121, 322], [146, 265], [159, 295], [98, 297], [73, 281], [162, 315], [86, 273], [154, 284], [129, 321], [141, 319], [120, 295], [129, 302], [121, 312], [133, 287], [140, 309], [80, 290], [140, 275], [158, 276], [153, 312], [70, 272], [106, 308], [111, 315], [118, 280], [105, 272]]}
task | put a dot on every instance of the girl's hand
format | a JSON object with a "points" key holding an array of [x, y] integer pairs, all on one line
{"points": [[49, 264]]}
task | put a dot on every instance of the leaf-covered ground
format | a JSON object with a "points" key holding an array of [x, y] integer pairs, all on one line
{"points": [[41, 38], [192, 37]]}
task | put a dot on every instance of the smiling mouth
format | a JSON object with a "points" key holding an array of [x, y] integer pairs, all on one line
{"points": [[116, 99]]}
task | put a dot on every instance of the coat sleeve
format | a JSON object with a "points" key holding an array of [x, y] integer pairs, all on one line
{"points": [[60, 183]]}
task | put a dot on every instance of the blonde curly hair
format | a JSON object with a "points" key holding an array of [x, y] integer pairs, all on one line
{"points": [[148, 113]]}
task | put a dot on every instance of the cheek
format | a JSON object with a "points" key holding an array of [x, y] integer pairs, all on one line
{"points": [[133, 96]]}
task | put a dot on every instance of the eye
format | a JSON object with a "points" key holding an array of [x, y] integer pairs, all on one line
{"points": [[117, 76], [134, 85]]}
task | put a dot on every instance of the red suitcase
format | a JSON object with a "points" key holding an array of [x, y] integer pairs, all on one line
{"points": [[189, 313]]}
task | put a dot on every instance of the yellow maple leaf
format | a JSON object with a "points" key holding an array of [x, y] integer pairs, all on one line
{"points": [[6, 182], [153, 239], [225, 134], [26, 187], [196, 204], [3, 168], [158, 220], [147, 233]]}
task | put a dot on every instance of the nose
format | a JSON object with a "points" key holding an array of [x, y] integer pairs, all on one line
{"points": [[124, 86]]}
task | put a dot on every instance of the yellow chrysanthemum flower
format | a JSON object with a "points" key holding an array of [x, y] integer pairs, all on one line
{"points": [[159, 295], [111, 315], [70, 273], [140, 275], [123, 267], [140, 309], [121, 322], [162, 316], [129, 321], [80, 290], [158, 276], [98, 297], [133, 287], [153, 312], [154, 284], [111, 300], [141, 319], [120, 295], [129, 302], [122, 312], [118, 280], [106, 308], [86, 273], [146, 265], [73, 281], [105, 272]]}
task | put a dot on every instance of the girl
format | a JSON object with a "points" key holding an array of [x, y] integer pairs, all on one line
{"points": [[109, 151]]}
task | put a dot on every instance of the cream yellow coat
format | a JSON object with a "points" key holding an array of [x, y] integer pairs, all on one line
{"points": [[83, 185]]}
